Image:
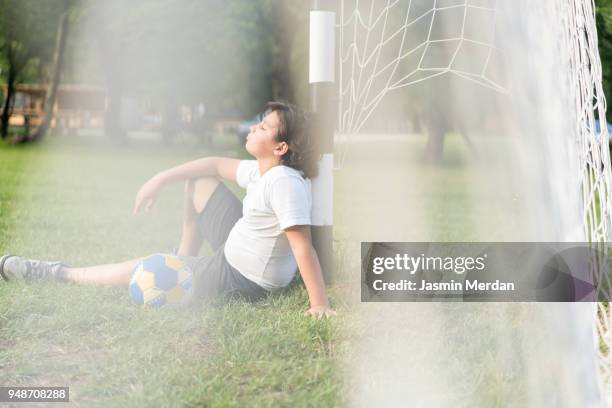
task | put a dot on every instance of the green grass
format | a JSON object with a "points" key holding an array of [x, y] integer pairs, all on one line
{"points": [[73, 202]]}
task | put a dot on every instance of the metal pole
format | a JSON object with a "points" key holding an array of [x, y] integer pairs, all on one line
{"points": [[323, 106]]}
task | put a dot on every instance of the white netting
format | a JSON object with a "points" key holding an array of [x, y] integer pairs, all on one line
{"points": [[396, 51], [594, 154], [388, 45]]}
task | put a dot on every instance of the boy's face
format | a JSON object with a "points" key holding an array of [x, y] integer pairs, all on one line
{"points": [[260, 142]]}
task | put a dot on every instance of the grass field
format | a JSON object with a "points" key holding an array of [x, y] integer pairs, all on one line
{"points": [[73, 202]]}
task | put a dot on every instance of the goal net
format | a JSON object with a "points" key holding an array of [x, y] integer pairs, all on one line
{"points": [[538, 65]]}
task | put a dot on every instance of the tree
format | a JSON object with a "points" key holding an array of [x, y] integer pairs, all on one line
{"points": [[55, 71], [27, 29], [230, 56], [200, 52]]}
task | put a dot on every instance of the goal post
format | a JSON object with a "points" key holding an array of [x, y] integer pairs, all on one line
{"points": [[322, 107]]}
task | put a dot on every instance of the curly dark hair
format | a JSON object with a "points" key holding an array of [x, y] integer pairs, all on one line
{"points": [[295, 130]]}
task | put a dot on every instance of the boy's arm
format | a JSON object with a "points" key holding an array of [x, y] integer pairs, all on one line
{"points": [[208, 166], [223, 167], [310, 269]]}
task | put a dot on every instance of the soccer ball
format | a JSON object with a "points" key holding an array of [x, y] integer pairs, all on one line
{"points": [[160, 280]]}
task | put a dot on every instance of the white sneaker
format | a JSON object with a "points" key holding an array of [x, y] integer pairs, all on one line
{"points": [[13, 267]]}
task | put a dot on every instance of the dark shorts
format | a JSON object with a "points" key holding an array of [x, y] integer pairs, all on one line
{"points": [[214, 277]]}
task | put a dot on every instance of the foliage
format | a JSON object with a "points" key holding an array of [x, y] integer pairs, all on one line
{"points": [[604, 36], [27, 34], [225, 55], [233, 57]]}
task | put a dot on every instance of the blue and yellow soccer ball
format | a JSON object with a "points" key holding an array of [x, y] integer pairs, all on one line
{"points": [[160, 280]]}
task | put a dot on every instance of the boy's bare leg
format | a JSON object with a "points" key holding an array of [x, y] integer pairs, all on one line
{"points": [[117, 274], [197, 193]]}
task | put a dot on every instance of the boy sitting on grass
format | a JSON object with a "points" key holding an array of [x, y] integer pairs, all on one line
{"points": [[258, 244]]}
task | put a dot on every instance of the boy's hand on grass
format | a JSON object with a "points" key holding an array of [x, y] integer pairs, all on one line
{"points": [[147, 195], [320, 312]]}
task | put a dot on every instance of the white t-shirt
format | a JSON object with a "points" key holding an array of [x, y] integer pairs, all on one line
{"points": [[257, 246]]}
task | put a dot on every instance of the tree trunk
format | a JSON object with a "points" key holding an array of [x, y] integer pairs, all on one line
{"points": [[8, 101], [439, 117], [51, 95], [416, 122], [112, 117], [435, 142], [111, 53], [283, 32]]}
